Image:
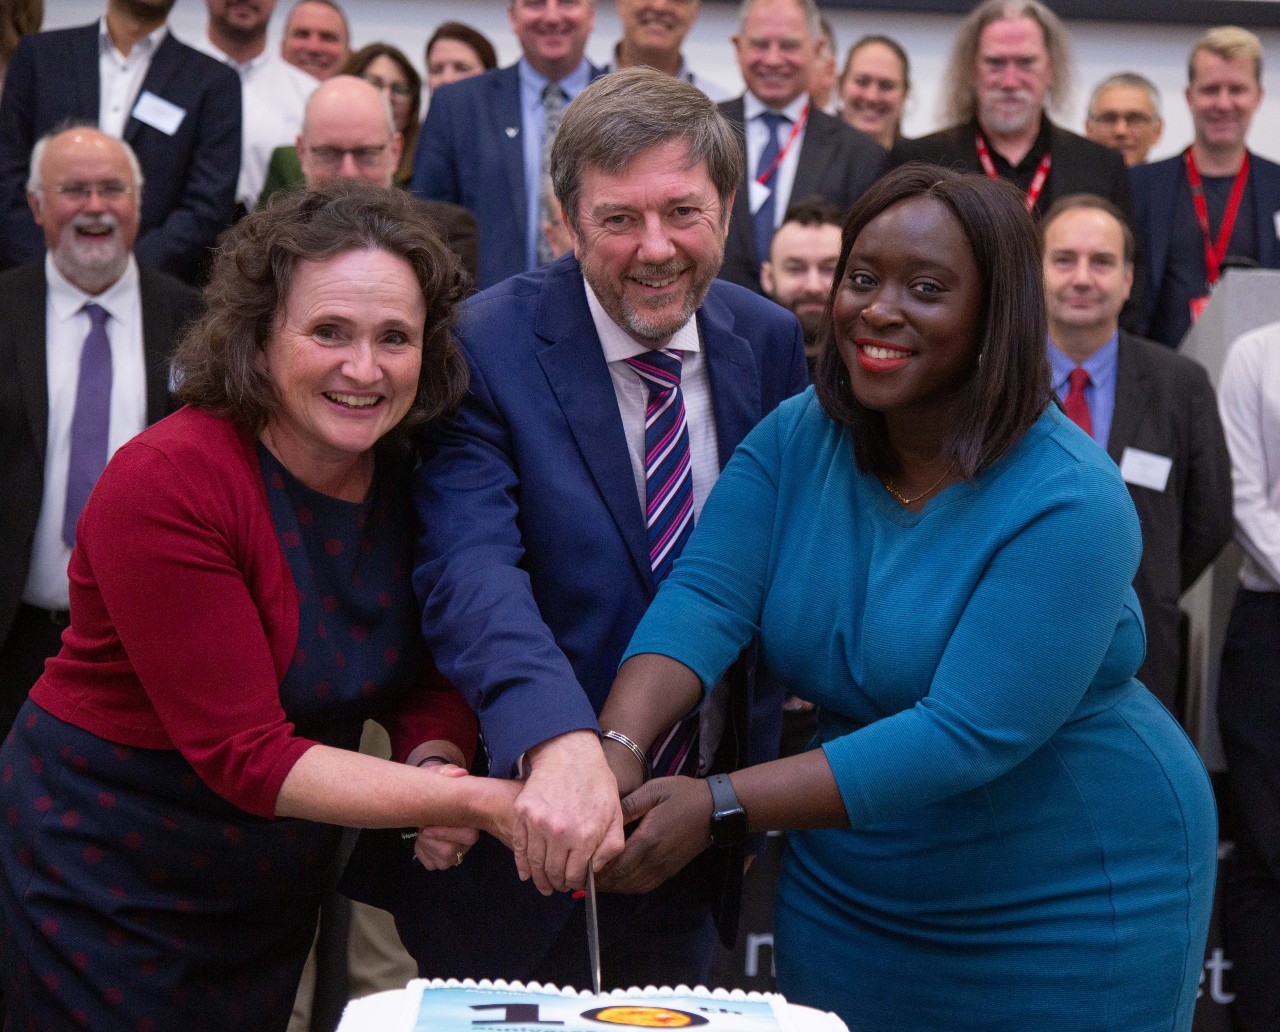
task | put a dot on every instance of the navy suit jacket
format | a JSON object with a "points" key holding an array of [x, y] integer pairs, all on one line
{"points": [[1165, 405], [1155, 195], [189, 194], [471, 152], [534, 566], [836, 162]]}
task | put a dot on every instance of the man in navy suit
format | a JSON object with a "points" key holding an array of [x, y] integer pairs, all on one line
{"points": [[793, 150], [536, 560], [177, 108], [482, 143], [1240, 191]]}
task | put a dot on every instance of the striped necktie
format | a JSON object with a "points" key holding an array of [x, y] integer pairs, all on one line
{"points": [[668, 513]]}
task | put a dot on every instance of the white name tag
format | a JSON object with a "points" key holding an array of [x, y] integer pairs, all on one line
{"points": [[1275, 218], [158, 113], [1145, 469], [757, 194]]}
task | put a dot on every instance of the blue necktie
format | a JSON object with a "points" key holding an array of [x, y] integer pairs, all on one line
{"points": [[668, 515], [764, 215], [91, 420], [553, 98]]}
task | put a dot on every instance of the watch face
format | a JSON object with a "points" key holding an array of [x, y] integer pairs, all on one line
{"points": [[730, 828]]}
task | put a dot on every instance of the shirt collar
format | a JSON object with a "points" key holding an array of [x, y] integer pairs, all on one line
{"points": [[1101, 365], [535, 81], [67, 299], [752, 106], [247, 68], [619, 345], [149, 42]]}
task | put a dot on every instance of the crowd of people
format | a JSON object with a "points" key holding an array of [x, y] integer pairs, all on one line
{"points": [[447, 397]]}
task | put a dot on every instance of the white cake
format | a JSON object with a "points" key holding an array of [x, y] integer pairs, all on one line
{"points": [[452, 1006]]}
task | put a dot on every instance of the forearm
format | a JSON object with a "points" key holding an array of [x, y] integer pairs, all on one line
{"points": [[337, 786], [792, 793], [650, 693]]}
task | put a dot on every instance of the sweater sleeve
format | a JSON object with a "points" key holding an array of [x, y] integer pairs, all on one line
{"points": [[172, 560]]}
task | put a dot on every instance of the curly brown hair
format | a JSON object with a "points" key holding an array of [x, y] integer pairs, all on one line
{"points": [[217, 365]]}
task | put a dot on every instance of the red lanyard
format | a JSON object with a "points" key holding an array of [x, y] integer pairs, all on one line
{"points": [[1037, 181], [767, 174], [1213, 254]]}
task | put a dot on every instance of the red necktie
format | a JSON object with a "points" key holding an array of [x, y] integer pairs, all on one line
{"points": [[1075, 405]]}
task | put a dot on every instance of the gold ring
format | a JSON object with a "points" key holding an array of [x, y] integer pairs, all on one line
{"points": [[457, 861]]}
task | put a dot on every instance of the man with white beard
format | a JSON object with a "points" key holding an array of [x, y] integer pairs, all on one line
{"points": [[85, 340], [1009, 56]]}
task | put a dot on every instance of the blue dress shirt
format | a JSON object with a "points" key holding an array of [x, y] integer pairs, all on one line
{"points": [[1100, 394]]}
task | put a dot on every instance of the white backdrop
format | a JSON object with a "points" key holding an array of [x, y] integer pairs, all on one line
{"points": [[1158, 51]]}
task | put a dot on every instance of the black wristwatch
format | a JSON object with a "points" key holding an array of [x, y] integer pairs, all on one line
{"points": [[728, 818]]}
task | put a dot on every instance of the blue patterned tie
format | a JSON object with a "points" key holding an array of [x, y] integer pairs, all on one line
{"points": [[91, 420], [553, 98], [764, 215], [668, 514]]}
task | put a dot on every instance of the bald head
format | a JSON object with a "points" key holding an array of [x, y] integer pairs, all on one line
{"points": [[348, 132], [84, 192]]}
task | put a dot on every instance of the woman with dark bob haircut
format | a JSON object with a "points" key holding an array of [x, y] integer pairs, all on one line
{"points": [[998, 827], [178, 780]]}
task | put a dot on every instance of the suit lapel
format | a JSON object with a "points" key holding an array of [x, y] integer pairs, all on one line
{"points": [[1266, 203], [578, 375], [84, 74], [741, 238], [1132, 399], [164, 65], [157, 336], [734, 377], [508, 115], [814, 159], [28, 344]]}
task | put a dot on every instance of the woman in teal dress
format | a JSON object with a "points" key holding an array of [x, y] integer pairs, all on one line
{"points": [[1001, 828]]}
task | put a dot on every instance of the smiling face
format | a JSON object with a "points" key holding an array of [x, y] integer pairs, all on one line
{"points": [[87, 206], [241, 20], [552, 33], [315, 40], [1123, 117], [873, 90], [1013, 76], [657, 26], [906, 313], [345, 357], [1223, 95], [776, 52], [650, 240], [451, 60], [1086, 278]]}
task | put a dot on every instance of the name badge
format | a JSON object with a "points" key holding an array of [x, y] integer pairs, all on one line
{"points": [[1275, 219], [1145, 469], [158, 113], [757, 194]]}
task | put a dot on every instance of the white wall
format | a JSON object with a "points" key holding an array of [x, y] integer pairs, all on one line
{"points": [[1158, 51]]}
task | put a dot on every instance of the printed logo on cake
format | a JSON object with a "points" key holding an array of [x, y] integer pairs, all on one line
{"points": [[644, 1017]]}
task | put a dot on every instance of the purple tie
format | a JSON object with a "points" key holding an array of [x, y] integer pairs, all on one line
{"points": [[668, 513], [91, 421]]}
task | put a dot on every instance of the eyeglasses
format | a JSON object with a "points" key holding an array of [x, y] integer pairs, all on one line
{"points": [[1111, 119], [108, 190], [399, 90], [365, 157]]}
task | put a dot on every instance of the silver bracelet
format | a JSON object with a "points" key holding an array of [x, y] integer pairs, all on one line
{"points": [[621, 739]]}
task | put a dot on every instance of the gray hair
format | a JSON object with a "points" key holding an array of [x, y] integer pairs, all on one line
{"points": [[960, 94], [812, 17], [620, 116], [35, 180], [1129, 80]]}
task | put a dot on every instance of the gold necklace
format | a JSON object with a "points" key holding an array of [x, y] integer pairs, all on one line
{"points": [[903, 499]]}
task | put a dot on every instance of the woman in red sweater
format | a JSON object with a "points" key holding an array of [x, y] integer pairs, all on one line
{"points": [[240, 603]]}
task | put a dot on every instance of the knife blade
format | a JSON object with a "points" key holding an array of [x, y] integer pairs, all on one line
{"points": [[593, 929]]}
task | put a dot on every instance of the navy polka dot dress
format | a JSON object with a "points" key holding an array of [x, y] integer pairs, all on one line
{"points": [[133, 896]]}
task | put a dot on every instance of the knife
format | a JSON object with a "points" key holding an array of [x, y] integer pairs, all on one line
{"points": [[593, 929]]}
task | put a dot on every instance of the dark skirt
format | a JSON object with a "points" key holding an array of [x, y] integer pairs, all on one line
{"points": [[133, 897]]}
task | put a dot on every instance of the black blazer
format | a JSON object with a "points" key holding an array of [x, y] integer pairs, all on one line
{"points": [[167, 307], [1079, 165], [1166, 405], [836, 163], [190, 188]]}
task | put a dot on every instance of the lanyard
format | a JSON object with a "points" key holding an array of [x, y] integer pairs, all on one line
{"points": [[1037, 181], [1214, 253], [767, 174]]}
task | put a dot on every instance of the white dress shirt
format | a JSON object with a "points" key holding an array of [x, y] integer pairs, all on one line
{"points": [[274, 96], [1249, 402], [66, 327], [120, 78], [757, 135], [704, 453]]}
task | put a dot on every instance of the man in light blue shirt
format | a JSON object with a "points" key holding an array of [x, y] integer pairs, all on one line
{"points": [[1154, 412]]}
